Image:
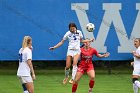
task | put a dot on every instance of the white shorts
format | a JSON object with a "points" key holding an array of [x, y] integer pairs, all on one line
{"points": [[25, 79], [73, 52], [136, 72]]}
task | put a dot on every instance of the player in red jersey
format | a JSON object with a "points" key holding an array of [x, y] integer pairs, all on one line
{"points": [[86, 65]]}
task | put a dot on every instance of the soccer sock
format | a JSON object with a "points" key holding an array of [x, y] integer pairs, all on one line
{"points": [[74, 71], [24, 88], [67, 71], [91, 85], [135, 88], [74, 88], [137, 83]]}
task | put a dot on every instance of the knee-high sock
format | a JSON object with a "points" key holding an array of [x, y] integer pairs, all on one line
{"points": [[74, 71], [91, 85], [137, 83], [74, 88], [135, 88]]}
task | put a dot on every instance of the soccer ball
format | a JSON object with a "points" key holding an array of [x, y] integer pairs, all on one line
{"points": [[90, 27]]}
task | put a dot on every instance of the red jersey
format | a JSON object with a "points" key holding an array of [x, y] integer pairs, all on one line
{"points": [[85, 64], [86, 55]]}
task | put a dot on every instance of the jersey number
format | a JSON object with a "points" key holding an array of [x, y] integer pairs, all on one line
{"points": [[74, 37], [20, 57]]}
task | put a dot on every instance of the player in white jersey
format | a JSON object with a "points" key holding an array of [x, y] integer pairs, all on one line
{"points": [[25, 71], [75, 37], [136, 65]]}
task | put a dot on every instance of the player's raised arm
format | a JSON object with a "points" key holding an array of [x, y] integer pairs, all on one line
{"points": [[57, 45], [103, 55], [86, 40]]}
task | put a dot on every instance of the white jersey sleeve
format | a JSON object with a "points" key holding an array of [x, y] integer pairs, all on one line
{"points": [[66, 36], [20, 51]]}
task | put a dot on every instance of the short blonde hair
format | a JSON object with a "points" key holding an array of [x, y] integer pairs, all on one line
{"points": [[26, 41]]}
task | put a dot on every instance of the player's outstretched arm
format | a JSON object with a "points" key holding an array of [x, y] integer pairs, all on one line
{"points": [[87, 40], [57, 45], [104, 55]]}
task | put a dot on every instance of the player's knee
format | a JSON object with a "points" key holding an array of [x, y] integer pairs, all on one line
{"points": [[134, 79], [92, 78], [76, 81], [67, 68]]}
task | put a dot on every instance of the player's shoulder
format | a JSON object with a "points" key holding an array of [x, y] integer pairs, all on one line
{"points": [[79, 31], [68, 32], [81, 48], [27, 49], [139, 48], [93, 49], [20, 50]]}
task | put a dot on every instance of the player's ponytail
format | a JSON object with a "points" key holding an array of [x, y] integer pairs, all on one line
{"points": [[26, 41]]}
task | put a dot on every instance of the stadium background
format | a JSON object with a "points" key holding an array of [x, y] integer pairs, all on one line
{"points": [[46, 21]]}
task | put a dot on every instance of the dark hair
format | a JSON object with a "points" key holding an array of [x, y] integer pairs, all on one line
{"points": [[72, 25], [137, 39]]}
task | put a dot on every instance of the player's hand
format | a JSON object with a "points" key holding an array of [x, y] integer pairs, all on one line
{"points": [[132, 63], [134, 53], [33, 76], [107, 54], [51, 48], [91, 40]]}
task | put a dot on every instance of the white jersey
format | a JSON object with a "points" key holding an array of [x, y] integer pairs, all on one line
{"points": [[137, 60], [74, 39], [24, 55]]}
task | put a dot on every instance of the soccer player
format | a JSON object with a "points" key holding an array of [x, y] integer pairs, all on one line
{"points": [[25, 71], [73, 53], [136, 65], [86, 65]]}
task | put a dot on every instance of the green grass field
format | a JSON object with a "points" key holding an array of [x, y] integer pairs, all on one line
{"points": [[50, 81]]}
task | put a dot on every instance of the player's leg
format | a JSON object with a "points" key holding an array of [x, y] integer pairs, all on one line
{"points": [[30, 87], [136, 83], [75, 82], [27, 84], [67, 69], [24, 88], [74, 69], [91, 74]]}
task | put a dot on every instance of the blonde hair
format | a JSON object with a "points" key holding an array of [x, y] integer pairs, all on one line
{"points": [[26, 41]]}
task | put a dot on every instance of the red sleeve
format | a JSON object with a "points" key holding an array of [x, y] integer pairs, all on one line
{"points": [[95, 52]]}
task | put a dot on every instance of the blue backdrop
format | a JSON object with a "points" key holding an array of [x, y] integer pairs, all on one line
{"points": [[117, 23]]}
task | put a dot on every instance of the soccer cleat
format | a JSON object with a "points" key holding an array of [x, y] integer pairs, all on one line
{"points": [[65, 80], [71, 81]]}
